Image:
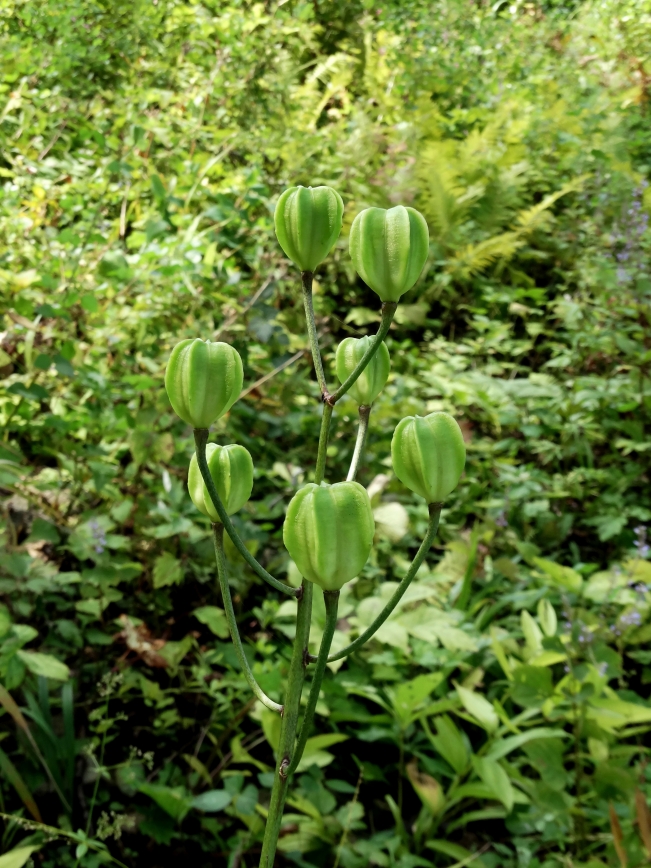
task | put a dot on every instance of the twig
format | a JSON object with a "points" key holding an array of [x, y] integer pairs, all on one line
{"points": [[273, 373], [344, 834], [46, 150], [228, 322]]}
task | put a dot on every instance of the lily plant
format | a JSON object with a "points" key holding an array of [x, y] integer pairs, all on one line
{"points": [[329, 528]]}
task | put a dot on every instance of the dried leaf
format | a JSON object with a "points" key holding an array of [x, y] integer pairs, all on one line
{"points": [[618, 837], [643, 820], [140, 640]]}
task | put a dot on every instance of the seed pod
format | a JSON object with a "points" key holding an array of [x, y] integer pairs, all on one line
{"points": [[429, 455], [308, 222], [203, 380], [389, 249], [329, 532], [373, 378], [231, 468]]}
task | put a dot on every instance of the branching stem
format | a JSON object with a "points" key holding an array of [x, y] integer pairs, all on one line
{"points": [[434, 515], [331, 599], [218, 536], [200, 439], [362, 431], [307, 277], [322, 453], [388, 312]]}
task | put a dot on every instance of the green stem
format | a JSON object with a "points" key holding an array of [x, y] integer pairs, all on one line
{"points": [[218, 536], [288, 725], [434, 515], [200, 439], [388, 312], [331, 599], [322, 453], [362, 431], [307, 278]]}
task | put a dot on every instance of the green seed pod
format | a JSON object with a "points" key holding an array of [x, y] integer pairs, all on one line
{"points": [[203, 380], [231, 468], [389, 249], [429, 455], [308, 222], [373, 378], [329, 532]]}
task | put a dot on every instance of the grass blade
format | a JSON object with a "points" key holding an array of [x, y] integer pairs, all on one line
{"points": [[11, 773]]}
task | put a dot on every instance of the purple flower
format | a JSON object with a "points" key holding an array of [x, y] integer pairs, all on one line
{"points": [[99, 536]]}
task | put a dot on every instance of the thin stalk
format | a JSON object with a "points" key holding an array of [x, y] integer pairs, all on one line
{"points": [[322, 452], [331, 599], [200, 439], [218, 536], [362, 431], [388, 312], [307, 278], [288, 726], [434, 515], [466, 587]]}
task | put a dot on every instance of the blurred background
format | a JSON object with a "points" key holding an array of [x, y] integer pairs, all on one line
{"points": [[501, 718]]}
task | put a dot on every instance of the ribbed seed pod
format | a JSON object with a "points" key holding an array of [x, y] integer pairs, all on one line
{"points": [[308, 222], [329, 532], [373, 379], [231, 468], [429, 455], [203, 380], [389, 249]]}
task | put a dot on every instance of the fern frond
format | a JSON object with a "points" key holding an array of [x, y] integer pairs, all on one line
{"points": [[475, 257], [438, 174], [532, 218]]}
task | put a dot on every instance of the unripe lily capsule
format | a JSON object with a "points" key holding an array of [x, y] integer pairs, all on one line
{"points": [[389, 249], [203, 380], [329, 532], [308, 222], [231, 468], [429, 455], [373, 378]]}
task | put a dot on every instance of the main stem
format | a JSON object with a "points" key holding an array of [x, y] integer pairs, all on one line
{"points": [[288, 726], [218, 536], [331, 599]]}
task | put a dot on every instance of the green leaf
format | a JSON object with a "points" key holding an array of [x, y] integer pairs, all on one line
{"points": [[167, 571], [214, 618], [479, 707], [18, 857], [456, 851], [505, 746], [562, 577], [450, 744], [212, 801], [44, 664], [408, 696], [532, 685], [494, 776], [173, 800]]}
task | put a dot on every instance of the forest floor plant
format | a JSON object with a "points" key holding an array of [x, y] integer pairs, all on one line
{"points": [[329, 528]]}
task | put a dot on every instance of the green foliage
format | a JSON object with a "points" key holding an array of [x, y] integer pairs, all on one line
{"points": [[143, 149]]}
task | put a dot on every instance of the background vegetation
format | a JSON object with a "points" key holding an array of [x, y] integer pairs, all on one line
{"points": [[501, 718]]}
